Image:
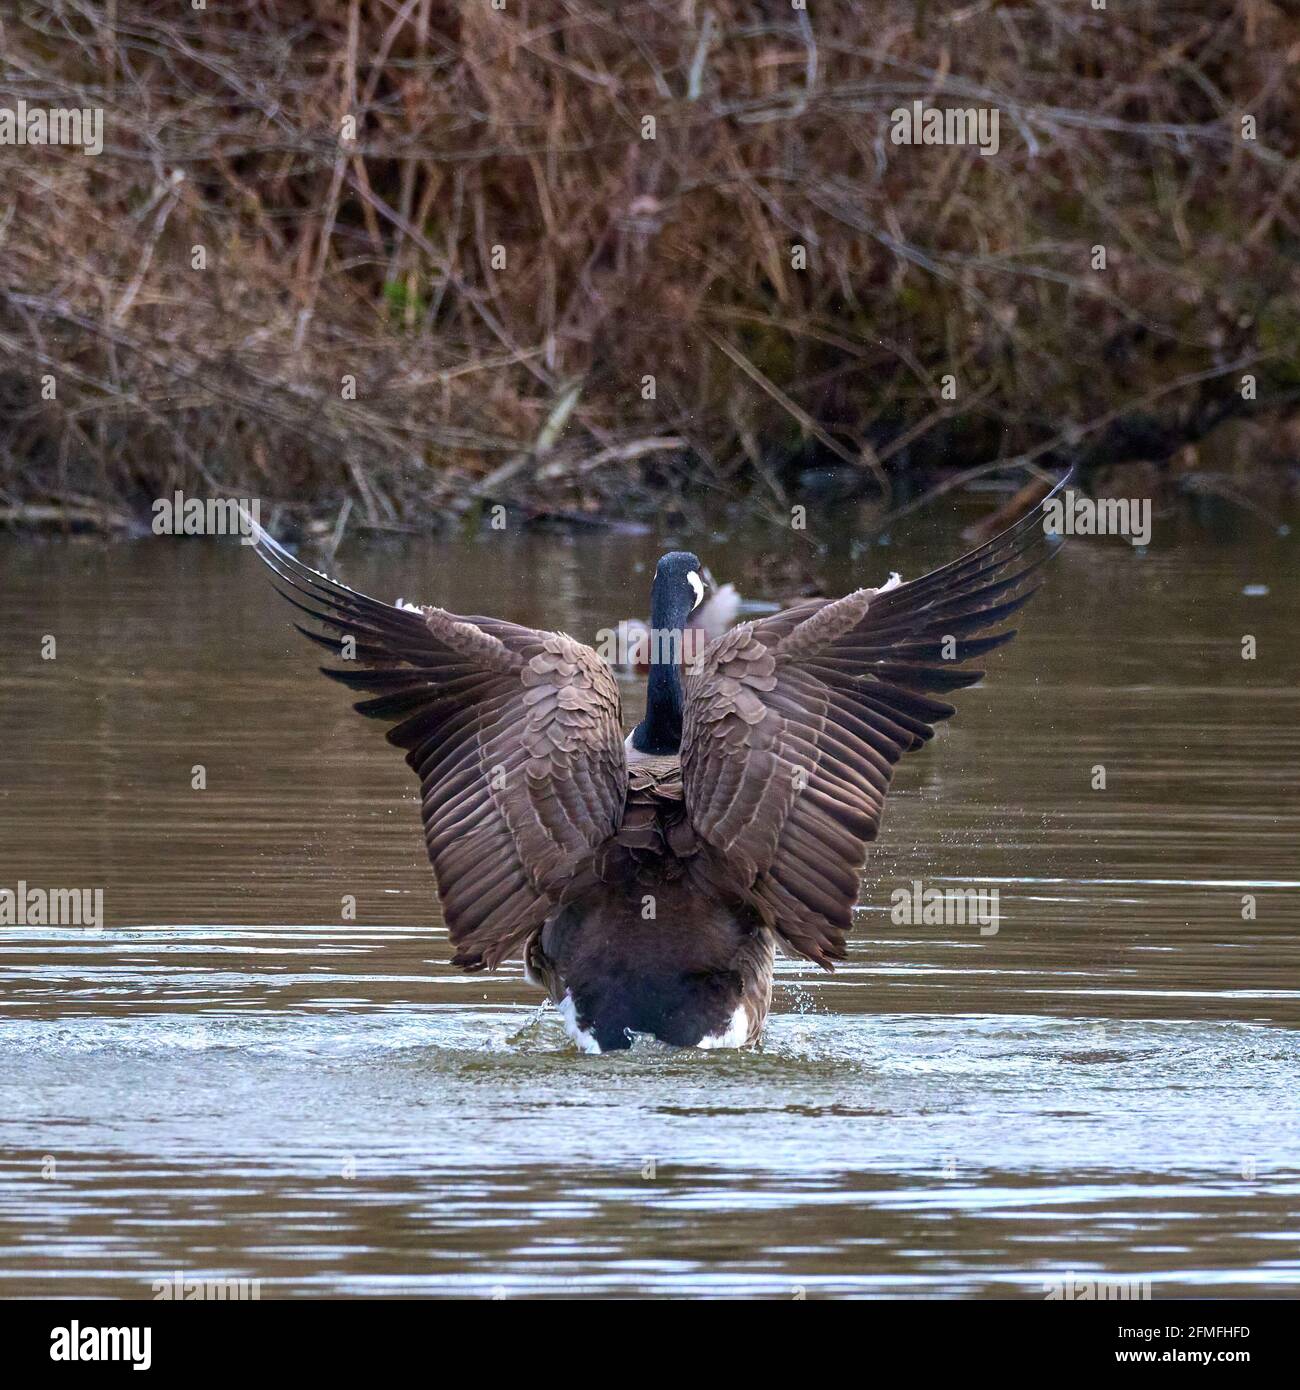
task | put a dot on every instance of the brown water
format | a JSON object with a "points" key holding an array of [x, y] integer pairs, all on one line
{"points": [[233, 1080]]}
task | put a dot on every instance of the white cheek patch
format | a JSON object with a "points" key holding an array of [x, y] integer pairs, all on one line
{"points": [[698, 585]]}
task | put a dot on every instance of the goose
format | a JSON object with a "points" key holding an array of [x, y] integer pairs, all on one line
{"points": [[645, 880]]}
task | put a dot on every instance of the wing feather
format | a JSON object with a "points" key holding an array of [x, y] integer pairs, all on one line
{"points": [[516, 737], [793, 726]]}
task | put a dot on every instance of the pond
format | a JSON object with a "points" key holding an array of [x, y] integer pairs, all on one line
{"points": [[236, 1078]]}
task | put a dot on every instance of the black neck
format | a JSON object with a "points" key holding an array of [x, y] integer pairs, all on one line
{"points": [[660, 732]]}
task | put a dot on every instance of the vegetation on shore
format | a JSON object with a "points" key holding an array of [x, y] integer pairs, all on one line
{"points": [[398, 259]]}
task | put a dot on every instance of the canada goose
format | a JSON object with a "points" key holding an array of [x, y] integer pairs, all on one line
{"points": [[645, 882]]}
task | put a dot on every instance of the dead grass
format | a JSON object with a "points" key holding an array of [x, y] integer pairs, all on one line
{"points": [[485, 136]]}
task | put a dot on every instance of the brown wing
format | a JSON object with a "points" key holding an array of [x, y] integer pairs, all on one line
{"points": [[516, 737], [793, 725]]}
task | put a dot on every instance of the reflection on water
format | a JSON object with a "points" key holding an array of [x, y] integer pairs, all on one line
{"points": [[235, 1079]]}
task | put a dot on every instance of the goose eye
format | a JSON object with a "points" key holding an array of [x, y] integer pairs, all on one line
{"points": [[698, 585]]}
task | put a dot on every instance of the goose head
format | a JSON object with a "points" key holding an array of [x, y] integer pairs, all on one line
{"points": [[678, 589]]}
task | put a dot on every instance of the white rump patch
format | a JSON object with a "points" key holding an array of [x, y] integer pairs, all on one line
{"points": [[409, 607], [735, 1035], [894, 580], [569, 1013]]}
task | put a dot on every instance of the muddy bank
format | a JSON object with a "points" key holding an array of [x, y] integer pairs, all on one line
{"points": [[380, 269]]}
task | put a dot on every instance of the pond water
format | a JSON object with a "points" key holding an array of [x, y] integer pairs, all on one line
{"points": [[234, 1079]]}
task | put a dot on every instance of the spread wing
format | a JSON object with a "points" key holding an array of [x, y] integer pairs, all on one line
{"points": [[793, 725], [516, 737]]}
